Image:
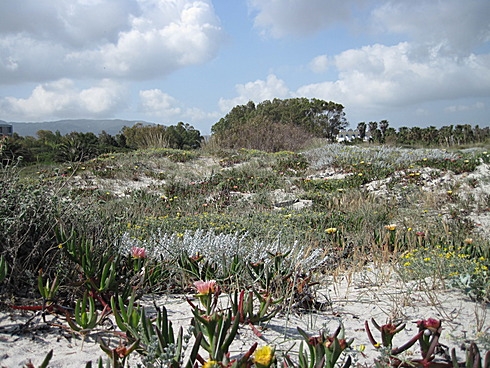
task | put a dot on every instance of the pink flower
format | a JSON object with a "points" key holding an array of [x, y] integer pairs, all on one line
{"points": [[431, 324], [206, 287], [137, 252]]}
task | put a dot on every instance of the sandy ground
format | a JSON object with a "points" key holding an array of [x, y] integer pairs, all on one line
{"points": [[372, 293]]}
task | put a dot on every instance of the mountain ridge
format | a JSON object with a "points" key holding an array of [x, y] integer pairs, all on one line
{"points": [[66, 126]]}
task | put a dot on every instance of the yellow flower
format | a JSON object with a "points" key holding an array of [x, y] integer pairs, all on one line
{"points": [[211, 364], [406, 264], [263, 356], [426, 259], [331, 230], [391, 227], [60, 246]]}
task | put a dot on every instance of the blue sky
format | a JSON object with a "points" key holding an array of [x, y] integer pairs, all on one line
{"points": [[418, 62]]}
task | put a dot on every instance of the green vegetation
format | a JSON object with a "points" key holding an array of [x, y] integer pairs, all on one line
{"points": [[99, 222], [279, 124]]}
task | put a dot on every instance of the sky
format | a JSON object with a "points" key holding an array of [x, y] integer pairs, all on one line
{"points": [[413, 63]]}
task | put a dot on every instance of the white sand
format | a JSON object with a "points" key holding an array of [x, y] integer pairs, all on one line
{"points": [[24, 336]]}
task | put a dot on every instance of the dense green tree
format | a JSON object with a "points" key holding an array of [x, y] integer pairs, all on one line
{"points": [[106, 142], [415, 135], [402, 137], [310, 117], [390, 136], [430, 135], [446, 135], [183, 136]]}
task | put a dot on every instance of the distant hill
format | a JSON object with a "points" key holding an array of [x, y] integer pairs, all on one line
{"points": [[111, 126]]}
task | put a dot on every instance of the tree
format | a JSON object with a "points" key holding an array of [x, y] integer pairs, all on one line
{"points": [[374, 131], [313, 117], [329, 118], [183, 136], [361, 127], [446, 135], [430, 135], [383, 125]]}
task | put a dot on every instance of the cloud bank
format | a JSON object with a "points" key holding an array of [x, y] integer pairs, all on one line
{"points": [[105, 58]]}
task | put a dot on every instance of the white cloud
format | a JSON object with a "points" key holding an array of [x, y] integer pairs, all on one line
{"points": [[319, 64], [71, 23], [154, 102], [103, 38], [257, 91], [280, 18], [452, 25], [194, 114], [387, 76], [62, 99], [102, 98]]}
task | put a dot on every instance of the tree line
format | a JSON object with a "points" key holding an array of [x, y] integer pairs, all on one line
{"points": [[446, 136], [272, 125], [78, 147]]}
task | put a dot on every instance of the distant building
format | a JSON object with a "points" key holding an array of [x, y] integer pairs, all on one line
{"points": [[351, 135], [6, 129]]}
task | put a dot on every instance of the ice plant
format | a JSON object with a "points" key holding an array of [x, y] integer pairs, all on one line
{"points": [[206, 291], [431, 324], [324, 350], [263, 357], [138, 253], [218, 331], [430, 330], [206, 287], [388, 331]]}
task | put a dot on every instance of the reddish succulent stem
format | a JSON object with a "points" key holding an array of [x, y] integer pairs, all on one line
{"points": [[407, 345], [378, 327], [49, 308], [241, 312], [254, 329], [370, 335], [433, 343]]}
